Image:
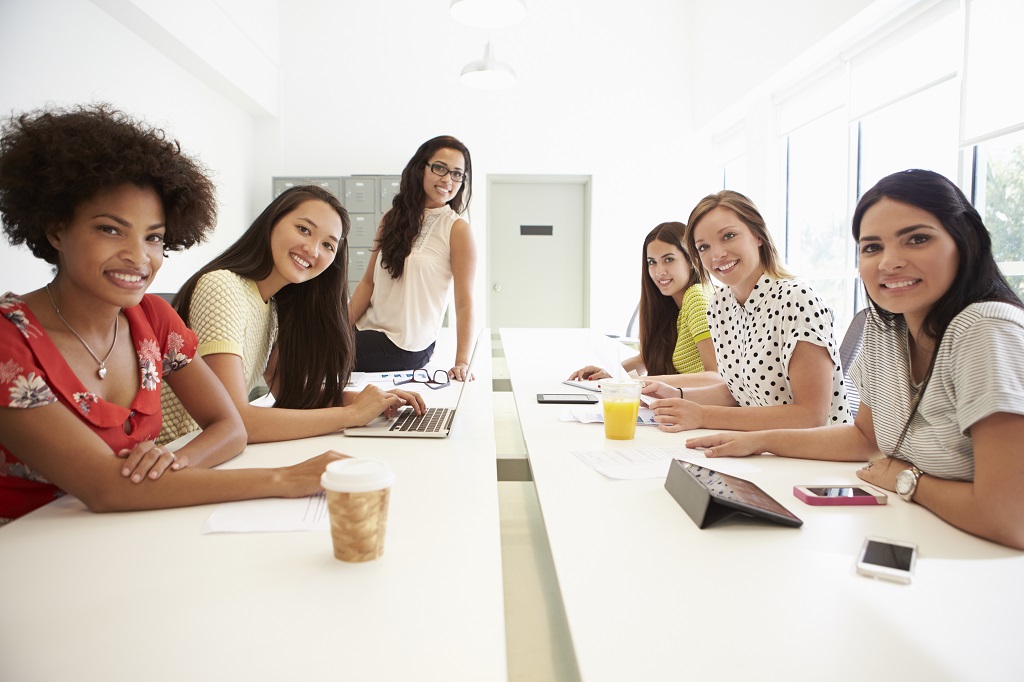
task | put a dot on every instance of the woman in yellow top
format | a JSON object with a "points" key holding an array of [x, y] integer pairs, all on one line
{"points": [[274, 305], [674, 334]]}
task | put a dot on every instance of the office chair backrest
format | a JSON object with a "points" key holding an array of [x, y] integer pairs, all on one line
{"points": [[852, 342], [853, 339], [632, 322]]}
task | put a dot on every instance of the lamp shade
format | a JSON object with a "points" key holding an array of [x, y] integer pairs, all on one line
{"points": [[488, 13], [488, 73]]}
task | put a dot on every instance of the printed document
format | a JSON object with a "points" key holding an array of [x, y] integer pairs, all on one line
{"points": [[653, 462]]}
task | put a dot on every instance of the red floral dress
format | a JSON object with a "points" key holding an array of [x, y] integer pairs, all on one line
{"points": [[33, 373]]}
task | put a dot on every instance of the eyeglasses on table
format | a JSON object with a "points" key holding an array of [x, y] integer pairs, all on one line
{"points": [[436, 379]]}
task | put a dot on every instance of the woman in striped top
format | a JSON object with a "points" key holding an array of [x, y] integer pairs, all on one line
{"points": [[675, 337], [941, 374]]}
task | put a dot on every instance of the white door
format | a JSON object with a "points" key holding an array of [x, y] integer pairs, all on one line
{"points": [[538, 256]]}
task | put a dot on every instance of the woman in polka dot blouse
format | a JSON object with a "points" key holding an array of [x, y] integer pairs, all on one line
{"points": [[941, 371], [778, 358]]}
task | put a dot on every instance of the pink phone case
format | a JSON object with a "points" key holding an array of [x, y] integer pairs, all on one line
{"points": [[817, 501]]}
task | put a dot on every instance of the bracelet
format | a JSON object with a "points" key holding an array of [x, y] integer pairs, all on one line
{"points": [[680, 392]]}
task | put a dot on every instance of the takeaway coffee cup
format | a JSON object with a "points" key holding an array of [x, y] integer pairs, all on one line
{"points": [[357, 499], [621, 400]]}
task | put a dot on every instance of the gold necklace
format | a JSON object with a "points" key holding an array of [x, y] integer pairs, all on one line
{"points": [[102, 371]]}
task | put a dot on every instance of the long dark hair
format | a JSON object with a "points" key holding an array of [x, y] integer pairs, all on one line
{"points": [[315, 344], [658, 313], [978, 277], [402, 223]]}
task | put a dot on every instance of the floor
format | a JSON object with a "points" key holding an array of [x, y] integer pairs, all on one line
{"points": [[536, 631]]}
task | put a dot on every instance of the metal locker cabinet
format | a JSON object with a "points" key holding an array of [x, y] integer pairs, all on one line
{"points": [[364, 227], [360, 194], [281, 184], [389, 185], [358, 258], [331, 184]]}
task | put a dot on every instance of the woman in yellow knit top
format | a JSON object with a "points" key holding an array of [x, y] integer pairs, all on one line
{"points": [[275, 304], [674, 334]]}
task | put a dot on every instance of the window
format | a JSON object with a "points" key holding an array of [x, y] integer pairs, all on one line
{"points": [[930, 85], [895, 106], [818, 246], [994, 99], [999, 197], [921, 131]]}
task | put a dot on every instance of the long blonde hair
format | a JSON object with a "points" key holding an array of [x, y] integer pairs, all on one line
{"points": [[751, 217]]}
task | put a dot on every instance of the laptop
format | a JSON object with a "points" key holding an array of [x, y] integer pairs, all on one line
{"points": [[435, 422]]}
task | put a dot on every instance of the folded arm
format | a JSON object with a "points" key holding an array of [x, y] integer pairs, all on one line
{"points": [[62, 448]]}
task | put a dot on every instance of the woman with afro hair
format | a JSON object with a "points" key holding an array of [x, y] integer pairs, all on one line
{"points": [[102, 197]]}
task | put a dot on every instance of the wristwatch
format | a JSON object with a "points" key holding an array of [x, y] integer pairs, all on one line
{"points": [[906, 482]]}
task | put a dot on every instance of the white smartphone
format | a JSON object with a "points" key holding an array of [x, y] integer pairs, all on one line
{"points": [[887, 559]]}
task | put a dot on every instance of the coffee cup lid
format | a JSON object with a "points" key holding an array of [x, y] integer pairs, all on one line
{"points": [[357, 475]]}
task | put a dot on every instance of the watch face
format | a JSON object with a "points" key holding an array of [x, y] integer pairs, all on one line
{"points": [[904, 482]]}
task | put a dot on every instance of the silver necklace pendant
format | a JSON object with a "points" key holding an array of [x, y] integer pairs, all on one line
{"points": [[102, 371]]}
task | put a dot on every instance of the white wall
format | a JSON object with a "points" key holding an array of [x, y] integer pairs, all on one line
{"points": [[602, 92], [745, 54], [618, 91], [63, 52], [735, 45]]}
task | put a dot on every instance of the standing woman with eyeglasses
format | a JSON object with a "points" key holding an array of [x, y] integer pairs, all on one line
{"points": [[422, 246]]}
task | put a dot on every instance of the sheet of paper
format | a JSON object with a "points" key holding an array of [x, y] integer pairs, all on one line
{"points": [[637, 463], [589, 385], [589, 415], [382, 377], [608, 360], [271, 515]]}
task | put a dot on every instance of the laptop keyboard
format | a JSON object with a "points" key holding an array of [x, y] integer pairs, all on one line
{"points": [[432, 421]]}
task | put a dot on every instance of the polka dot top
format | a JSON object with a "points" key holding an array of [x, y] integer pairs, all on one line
{"points": [[755, 341]]}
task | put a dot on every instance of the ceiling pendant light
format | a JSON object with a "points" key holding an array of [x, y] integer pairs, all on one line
{"points": [[488, 73], [488, 13]]}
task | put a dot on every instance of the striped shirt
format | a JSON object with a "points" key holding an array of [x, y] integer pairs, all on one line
{"points": [[979, 371]]}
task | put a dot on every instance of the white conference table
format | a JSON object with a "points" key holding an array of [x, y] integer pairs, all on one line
{"points": [[146, 596], [649, 596]]}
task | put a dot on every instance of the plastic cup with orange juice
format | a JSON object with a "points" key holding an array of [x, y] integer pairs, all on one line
{"points": [[621, 401]]}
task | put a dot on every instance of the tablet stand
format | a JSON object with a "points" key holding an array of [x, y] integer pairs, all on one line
{"points": [[705, 509]]}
